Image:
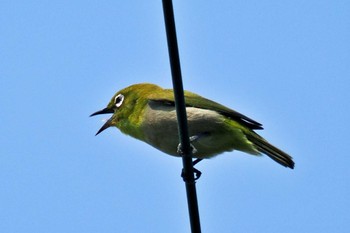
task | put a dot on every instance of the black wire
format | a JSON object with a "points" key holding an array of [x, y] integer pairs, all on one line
{"points": [[188, 171]]}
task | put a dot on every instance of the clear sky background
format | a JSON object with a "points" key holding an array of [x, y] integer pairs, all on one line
{"points": [[285, 64]]}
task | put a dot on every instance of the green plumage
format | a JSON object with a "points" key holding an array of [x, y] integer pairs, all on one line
{"points": [[147, 112]]}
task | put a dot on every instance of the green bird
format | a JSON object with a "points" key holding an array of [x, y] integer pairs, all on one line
{"points": [[147, 112]]}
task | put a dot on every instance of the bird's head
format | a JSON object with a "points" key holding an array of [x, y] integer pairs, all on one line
{"points": [[126, 106]]}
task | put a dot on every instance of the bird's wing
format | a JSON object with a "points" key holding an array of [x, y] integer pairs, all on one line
{"points": [[197, 101]]}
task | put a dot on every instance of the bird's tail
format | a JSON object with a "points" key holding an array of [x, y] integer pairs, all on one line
{"points": [[273, 152]]}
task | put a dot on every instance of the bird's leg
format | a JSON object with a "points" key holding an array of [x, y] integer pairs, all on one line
{"points": [[194, 150], [196, 161], [196, 172]]}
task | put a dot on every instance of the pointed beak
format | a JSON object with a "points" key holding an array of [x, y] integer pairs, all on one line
{"points": [[105, 126], [103, 111], [108, 123]]}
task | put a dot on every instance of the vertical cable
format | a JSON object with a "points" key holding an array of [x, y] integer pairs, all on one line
{"points": [[188, 171]]}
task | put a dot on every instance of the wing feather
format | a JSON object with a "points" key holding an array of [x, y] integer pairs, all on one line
{"points": [[197, 101]]}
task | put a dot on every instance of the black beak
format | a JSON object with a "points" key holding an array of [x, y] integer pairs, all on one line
{"points": [[105, 126], [103, 111], [108, 123]]}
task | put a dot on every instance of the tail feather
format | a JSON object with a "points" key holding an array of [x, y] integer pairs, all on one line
{"points": [[273, 152]]}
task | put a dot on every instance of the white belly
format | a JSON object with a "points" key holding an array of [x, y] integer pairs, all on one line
{"points": [[160, 127]]}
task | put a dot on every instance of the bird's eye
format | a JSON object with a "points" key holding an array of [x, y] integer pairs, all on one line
{"points": [[118, 100]]}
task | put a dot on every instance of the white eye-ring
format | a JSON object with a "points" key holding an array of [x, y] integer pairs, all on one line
{"points": [[118, 100]]}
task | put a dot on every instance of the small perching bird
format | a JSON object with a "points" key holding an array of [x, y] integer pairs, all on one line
{"points": [[147, 112]]}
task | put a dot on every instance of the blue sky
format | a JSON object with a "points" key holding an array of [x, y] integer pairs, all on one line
{"points": [[285, 64]]}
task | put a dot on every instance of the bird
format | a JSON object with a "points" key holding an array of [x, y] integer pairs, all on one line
{"points": [[147, 112]]}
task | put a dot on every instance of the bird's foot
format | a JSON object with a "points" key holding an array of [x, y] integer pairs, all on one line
{"points": [[196, 172], [179, 149], [186, 177], [192, 139]]}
